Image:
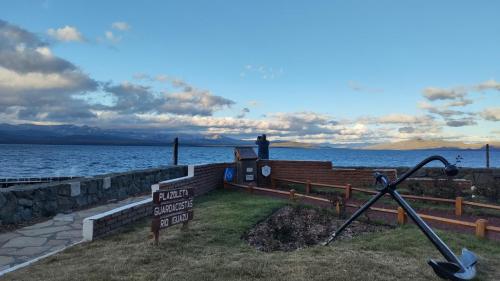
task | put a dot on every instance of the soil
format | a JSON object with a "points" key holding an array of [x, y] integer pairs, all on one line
{"points": [[295, 227]]}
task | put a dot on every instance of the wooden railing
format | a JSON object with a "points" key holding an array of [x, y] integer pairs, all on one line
{"points": [[459, 202], [481, 225]]}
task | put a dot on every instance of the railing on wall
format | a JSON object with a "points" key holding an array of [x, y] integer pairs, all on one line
{"points": [[481, 225]]}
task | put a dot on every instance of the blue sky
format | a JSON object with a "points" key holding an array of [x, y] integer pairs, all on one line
{"points": [[319, 71]]}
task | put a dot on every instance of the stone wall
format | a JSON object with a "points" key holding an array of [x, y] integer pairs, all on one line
{"points": [[25, 203], [202, 178]]}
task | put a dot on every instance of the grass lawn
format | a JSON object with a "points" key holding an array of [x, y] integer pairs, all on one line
{"points": [[213, 250]]}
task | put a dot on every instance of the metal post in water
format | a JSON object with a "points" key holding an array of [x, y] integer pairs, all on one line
{"points": [[487, 155], [176, 151]]}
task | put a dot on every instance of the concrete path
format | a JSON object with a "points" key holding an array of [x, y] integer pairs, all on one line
{"points": [[32, 242]]}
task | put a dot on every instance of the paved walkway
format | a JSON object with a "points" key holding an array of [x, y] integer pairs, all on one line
{"points": [[31, 242]]}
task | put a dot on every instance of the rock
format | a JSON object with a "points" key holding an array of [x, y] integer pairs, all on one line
{"points": [[64, 190], [25, 202], [3, 200], [26, 214]]}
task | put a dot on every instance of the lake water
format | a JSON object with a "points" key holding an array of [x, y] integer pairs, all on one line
{"points": [[86, 160]]}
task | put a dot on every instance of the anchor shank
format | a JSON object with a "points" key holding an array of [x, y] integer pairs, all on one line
{"points": [[431, 235]]}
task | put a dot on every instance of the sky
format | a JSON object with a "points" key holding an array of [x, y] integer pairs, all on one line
{"points": [[314, 71]]}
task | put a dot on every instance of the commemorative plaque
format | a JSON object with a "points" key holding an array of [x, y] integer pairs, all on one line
{"points": [[171, 207]]}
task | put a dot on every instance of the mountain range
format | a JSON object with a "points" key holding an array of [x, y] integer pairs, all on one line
{"points": [[86, 135], [429, 144], [71, 134]]}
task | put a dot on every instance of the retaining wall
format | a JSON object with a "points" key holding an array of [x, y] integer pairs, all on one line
{"points": [[202, 178], [428, 181], [24, 203], [319, 172]]}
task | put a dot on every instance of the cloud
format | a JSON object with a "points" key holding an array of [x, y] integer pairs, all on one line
{"points": [[491, 114], [406, 130], [243, 113], [461, 122], [110, 36], [192, 101], [357, 87], [35, 84], [120, 25], [262, 71], [140, 76], [66, 34], [488, 85], [398, 119], [462, 102], [131, 98], [433, 94]]}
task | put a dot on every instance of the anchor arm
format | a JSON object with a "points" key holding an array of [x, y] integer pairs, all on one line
{"points": [[450, 170]]}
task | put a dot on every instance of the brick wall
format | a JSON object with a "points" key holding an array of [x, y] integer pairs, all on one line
{"points": [[202, 178], [319, 172], [205, 178]]}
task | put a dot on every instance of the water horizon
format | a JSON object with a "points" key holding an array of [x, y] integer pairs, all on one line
{"points": [[34, 160]]}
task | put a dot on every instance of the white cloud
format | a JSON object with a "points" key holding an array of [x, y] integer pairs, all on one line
{"points": [[491, 114], [120, 25], [262, 71], [67, 34], [109, 35], [433, 93], [488, 85]]}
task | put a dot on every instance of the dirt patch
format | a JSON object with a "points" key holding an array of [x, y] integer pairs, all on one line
{"points": [[295, 227]]}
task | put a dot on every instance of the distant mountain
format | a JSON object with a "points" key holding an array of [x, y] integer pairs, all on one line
{"points": [[71, 134], [429, 144], [293, 144]]}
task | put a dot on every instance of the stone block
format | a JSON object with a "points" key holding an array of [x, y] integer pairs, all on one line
{"points": [[25, 202], [106, 183], [64, 190], [75, 189]]}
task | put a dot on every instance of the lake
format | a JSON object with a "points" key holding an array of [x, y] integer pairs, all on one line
{"points": [[25, 160]]}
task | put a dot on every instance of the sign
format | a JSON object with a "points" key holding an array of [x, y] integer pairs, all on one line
{"points": [[249, 177], [170, 220], [167, 208], [168, 195], [266, 171], [171, 207], [229, 174]]}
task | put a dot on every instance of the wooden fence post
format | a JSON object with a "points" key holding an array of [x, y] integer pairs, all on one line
{"points": [[337, 208], [273, 183], [481, 228], [401, 216], [348, 192], [308, 187], [292, 194], [250, 188], [458, 206]]}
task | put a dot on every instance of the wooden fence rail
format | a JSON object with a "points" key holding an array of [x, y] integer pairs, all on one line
{"points": [[481, 225], [458, 201]]}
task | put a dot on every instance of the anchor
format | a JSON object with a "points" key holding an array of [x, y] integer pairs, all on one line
{"points": [[458, 268]]}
